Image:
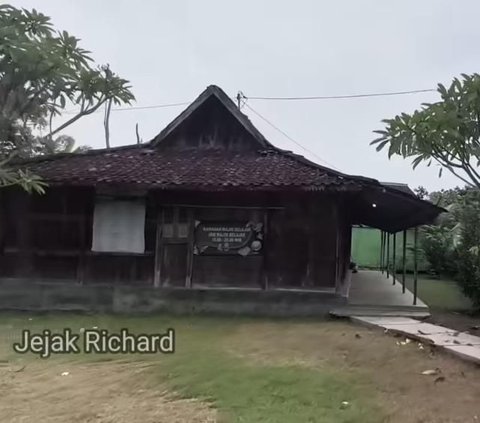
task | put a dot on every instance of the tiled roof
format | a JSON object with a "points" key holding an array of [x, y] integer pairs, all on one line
{"points": [[190, 169], [399, 186]]}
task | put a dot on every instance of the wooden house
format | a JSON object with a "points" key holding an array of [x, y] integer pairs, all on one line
{"points": [[208, 214]]}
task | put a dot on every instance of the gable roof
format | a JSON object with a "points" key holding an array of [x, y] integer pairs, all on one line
{"points": [[267, 168], [218, 93], [210, 170]]}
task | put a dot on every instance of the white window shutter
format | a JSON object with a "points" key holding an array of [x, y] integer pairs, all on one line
{"points": [[119, 226]]}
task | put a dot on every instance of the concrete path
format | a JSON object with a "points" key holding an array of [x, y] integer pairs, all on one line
{"points": [[461, 344], [371, 293], [371, 287]]}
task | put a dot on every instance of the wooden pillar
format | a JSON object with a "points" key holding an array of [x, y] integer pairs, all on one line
{"points": [[388, 255], [384, 260], [25, 245], [404, 259], [394, 258], [157, 277], [310, 233], [82, 250], [415, 268], [381, 251], [190, 257], [3, 223], [264, 250]]}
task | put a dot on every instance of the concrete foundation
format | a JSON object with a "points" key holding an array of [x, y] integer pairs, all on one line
{"points": [[23, 295]]}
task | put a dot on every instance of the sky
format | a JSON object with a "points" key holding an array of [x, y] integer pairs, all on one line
{"points": [[171, 51]]}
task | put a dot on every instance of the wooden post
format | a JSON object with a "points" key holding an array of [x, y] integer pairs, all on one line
{"points": [[158, 252], [381, 251], [81, 254], [404, 258], [394, 269], [24, 236], [3, 223], [190, 257], [264, 251], [415, 276], [388, 255]]}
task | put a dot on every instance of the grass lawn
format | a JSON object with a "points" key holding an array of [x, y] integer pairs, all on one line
{"points": [[443, 294], [234, 370]]}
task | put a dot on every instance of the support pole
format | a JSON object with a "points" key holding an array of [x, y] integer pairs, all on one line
{"points": [[415, 273], [404, 258], [394, 268], [382, 251], [388, 255]]}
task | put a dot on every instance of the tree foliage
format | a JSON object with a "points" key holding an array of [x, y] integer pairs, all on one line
{"points": [[41, 72], [452, 246], [446, 132], [469, 247]]}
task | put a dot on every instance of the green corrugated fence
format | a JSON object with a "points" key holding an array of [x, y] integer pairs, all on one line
{"points": [[366, 249]]}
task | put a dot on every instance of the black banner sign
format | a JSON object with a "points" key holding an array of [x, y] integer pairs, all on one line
{"points": [[228, 238]]}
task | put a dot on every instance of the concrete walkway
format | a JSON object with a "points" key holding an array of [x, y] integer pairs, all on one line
{"points": [[371, 287], [460, 344], [372, 294]]}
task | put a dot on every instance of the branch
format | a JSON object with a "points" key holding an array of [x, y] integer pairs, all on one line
{"points": [[106, 122], [469, 183], [78, 116], [449, 164]]}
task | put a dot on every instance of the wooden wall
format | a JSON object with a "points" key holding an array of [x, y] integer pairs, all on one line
{"points": [[49, 238], [210, 127]]}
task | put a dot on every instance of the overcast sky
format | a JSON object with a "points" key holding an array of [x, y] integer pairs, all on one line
{"points": [[170, 51]]}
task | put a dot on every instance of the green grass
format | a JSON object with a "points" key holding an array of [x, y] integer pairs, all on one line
{"points": [[442, 294], [248, 392], [243, 390]]}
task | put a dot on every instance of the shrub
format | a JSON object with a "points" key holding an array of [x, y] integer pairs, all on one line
{"points": [[438, 248], [468, 263]]}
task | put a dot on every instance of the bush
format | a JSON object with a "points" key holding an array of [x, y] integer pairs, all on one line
{"points": [[438, 248], [468, 263]]}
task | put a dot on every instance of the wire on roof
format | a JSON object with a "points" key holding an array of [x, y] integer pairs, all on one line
{"points": [[333, 97], [122, 109], [289, 137]]}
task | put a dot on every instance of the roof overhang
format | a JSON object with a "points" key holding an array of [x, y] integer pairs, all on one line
{"points": [[392, 210]]}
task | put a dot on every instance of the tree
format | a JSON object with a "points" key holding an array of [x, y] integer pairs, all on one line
{"points": [[62, 144], [446, 132], [468, 260], [41, 72], [421, 192]]}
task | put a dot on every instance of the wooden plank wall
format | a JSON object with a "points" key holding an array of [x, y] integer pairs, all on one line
{"points": [[50, 238]]}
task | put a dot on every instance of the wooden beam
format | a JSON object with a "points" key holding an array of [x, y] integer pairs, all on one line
{"points": [[415, 268], [394, 258], [382, 250], [191, 240], [81, 267], [388, 255], [264, 271], [3, 223], [404, 258], [206, 206], [158, 252]]}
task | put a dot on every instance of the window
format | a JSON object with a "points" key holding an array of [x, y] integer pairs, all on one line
{"points": [[175, 223], [119, 226]]}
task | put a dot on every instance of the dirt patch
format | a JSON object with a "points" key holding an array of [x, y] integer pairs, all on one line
{"points": [[385, 362], [91, 393], [463, 322]]}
